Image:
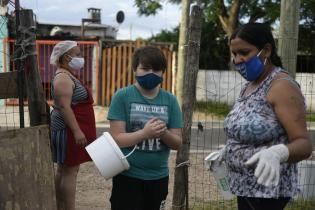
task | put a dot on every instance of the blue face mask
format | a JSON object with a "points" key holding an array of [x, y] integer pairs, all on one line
{"points": [[149, 81], [251, 69]]}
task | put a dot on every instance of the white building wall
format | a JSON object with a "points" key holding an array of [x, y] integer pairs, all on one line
{"points": [[225, 86], [221, 86]]}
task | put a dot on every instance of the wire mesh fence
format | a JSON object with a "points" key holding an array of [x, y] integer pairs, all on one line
{"points": [[216, 92], [9, 106], [46, 71], [9, 112], [10, 116]]}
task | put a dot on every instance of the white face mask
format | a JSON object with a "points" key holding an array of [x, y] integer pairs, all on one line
{"points": [[76, 63]]}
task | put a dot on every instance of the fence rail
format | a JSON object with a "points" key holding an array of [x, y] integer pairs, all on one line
{"points": [[116, 67], [115, 61], [89, 50]]}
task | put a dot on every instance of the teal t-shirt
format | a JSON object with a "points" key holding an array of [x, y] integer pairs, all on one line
{"points": [[150, 159]]}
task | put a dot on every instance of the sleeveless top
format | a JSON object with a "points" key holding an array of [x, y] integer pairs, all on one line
{"points": [[57, 123], [79, 94], [251, 126]]}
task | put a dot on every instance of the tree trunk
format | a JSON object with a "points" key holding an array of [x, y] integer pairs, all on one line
{"points": [[180, 194], [288, 34], [182, 46], [229, 20]]}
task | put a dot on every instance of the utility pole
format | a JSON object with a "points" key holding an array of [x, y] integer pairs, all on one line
{"points": [[17, 62], [36, 98], [180, 194], [288, 34], [182, 48]]}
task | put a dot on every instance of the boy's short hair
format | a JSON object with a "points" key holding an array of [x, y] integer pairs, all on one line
{"points": [[150, 57]]}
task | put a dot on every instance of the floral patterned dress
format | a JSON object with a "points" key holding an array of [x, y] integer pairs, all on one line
{"points": [[251, 126]]}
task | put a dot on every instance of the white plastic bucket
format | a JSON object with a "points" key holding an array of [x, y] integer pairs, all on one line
{"points": [[107, 156]]}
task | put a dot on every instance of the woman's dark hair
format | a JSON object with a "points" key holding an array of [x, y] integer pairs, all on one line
{"points": [[258, 34], [150, 58]]}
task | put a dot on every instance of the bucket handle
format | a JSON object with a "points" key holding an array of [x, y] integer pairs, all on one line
{"points": [[130, 153]]}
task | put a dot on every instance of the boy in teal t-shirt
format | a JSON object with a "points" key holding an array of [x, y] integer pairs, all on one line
{"points": [[147, 117]]}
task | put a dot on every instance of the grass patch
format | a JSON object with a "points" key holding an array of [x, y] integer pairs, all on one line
{"points": [[222, 109], [310, 117], [301, 204], [214, 205], [216, 108]]}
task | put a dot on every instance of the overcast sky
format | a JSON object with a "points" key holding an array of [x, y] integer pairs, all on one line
{"points": [[72, 11]]}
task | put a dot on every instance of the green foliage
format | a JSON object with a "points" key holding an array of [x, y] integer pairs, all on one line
{"points": [[300, 204], [306, 43], [265, 11], [167, 36], [222, 109], [307, 12], [210, 107], [214, 49], [214, 205], [307, 27], [310, 117], [148, 7], [252, 10]]}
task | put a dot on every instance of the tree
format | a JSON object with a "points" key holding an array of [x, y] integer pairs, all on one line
{"points": [[182, 41], [151, 7], [221, 18], [228, 13], [307, 27], [182, 49], [214, 38], [214, 52], [166, 36], [307, 12]]}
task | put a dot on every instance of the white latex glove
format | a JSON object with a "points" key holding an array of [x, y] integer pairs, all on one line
{"points": [[268, 167], [217, 156], [222, 154]]}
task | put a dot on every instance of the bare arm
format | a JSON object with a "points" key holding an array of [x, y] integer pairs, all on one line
{"points": [[63, 90], [288, 104], [154, 128], [122, 138], [173, 138]]}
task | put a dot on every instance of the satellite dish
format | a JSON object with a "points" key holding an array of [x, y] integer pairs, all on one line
{"points": [[55, 31], [120, 17]]}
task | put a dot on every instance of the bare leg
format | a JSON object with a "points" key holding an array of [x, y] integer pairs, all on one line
{"points": [[67, 186], [59, 195]]}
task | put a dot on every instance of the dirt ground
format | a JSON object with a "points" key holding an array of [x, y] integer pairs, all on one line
{"points": [[93, 191]]}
